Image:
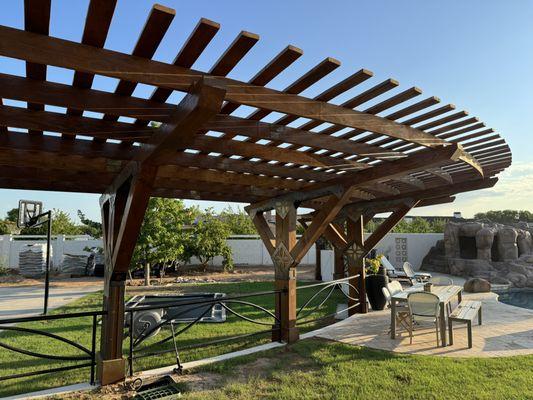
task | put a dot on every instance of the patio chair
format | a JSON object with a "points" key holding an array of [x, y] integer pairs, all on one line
{"points": [[394, 273], [423, 307], [441, 281], [413, 277], [402, 310]]}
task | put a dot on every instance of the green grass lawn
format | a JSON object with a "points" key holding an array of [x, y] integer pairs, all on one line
{"points": [[79, 330], [315, 369]]}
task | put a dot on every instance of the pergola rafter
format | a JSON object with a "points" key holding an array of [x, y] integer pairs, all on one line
{"points": [[382, 150]]}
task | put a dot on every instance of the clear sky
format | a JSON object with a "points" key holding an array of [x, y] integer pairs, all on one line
{"points": [[475, 54]]}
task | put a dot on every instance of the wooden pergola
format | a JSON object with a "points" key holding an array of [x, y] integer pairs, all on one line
{"points": [[346, 161]]}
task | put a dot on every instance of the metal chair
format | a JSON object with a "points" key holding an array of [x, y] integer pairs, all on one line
{"points": [[441, 281], [423, 307], [402, 310]]}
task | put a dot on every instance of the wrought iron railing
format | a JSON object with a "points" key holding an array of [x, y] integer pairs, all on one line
{"points": [[136, 339], [320, 298], [85, 358], [139, 347]]}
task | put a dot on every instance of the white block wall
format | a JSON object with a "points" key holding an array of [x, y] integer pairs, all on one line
{"points": [[397, 247], [247, 250], [11, 246]]}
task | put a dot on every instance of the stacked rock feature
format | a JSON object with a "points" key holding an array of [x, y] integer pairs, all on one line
{"points": [[500, 254]]}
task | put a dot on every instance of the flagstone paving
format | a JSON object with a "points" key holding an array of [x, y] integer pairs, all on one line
{"points": [[506, 331]]}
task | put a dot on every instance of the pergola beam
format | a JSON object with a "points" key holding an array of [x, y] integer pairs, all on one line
{"points": [[421, 161], [62, 53]]}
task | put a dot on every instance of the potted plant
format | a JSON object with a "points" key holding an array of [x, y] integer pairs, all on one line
{"points": [[375, 280]]}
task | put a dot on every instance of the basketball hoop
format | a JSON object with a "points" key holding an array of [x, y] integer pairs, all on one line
{"points": [[29, 212]]}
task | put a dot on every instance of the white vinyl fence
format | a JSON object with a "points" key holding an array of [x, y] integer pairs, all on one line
{"points": [[247, 249]]}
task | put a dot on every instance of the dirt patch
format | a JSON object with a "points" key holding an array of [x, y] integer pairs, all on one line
{"points": [[239, 274], [257, 368], [189, 275], [199, 382], [8, 280], [56, 281]]}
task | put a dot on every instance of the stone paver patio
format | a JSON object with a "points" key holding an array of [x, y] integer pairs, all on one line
{"points": [[506, 331]]}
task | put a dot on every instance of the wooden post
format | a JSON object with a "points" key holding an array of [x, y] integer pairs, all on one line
{"points": [[285, 272], [319, 246], [124, 204], [356, 263], [339, 267], [123, 208]]}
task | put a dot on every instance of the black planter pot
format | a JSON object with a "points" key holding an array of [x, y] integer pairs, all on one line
{"points": [[374, 284]]}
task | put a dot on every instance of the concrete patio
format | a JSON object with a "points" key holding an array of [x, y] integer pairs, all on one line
{"points": [[506, 331]]}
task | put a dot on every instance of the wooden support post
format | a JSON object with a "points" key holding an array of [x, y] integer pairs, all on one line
{"points": [[285, 272], [338, 266], [123, 207], [319, 246], [356, 263]]}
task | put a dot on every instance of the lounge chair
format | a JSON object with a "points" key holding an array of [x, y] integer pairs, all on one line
{"points": [[403, 275]]}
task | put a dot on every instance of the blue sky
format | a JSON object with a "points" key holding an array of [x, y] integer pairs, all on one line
{"points": [[475, 54]]}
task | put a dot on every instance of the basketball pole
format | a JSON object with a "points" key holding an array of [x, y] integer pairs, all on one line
{"points": [[47, 272]]}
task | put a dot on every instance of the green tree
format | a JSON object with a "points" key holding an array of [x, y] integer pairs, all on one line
{"points": [[208, 239], [162, 238], [506, 216], [89, 227], [4, 227], [62, 224], [438, 225], [238, 222], [416, 225], [13, 215]]}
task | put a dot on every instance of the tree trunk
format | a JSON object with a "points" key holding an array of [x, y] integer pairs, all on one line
{"points": [[147, 274]]}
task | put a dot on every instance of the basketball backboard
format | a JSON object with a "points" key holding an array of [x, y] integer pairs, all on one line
{"points": [[29, 210]]}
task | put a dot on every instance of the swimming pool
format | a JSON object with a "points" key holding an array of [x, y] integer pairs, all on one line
{"points": [[517, 297]]}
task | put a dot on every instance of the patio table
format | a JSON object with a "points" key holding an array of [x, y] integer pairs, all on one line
{"points": [[445, 293]]}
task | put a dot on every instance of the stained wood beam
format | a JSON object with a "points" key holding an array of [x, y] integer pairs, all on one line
{"points": [[319, 224], [61, 53], [114, 152], [18, 88], [97, 23], [278, 64], [422, 160], [201, 104], [265, 232], [193, 47], [387, 226], [36, 20], [154, 30], [435, 192]]}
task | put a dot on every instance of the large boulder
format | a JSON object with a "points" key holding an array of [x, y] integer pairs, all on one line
{"points": [[477, 285], [484, 240], [507, 247], [524, 242]]}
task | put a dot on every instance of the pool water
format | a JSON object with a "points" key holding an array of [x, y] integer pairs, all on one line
{"points": [[517, 297]]}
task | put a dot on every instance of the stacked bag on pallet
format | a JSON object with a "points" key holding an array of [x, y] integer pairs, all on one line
{"points": [[32, 260], [74, 264]]}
